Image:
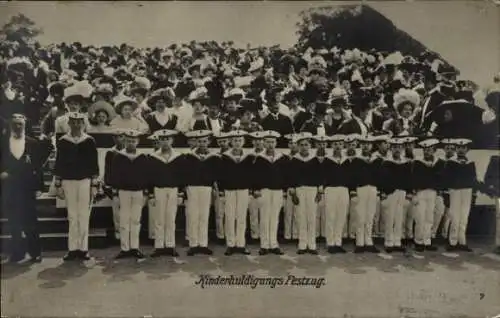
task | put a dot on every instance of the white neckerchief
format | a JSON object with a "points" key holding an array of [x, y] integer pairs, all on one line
{"points": [[276, 156], [309, 157], [75, 140], [131, 156], [428, 163], [158, 155], [17, 146], [401, 160], [199, 156], [235, 158]]}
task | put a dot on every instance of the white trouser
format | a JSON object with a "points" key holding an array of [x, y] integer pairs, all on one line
{"points": [[131, 203], [423, 214], [382, 208], [272, 201], [291, 226], [165, 213], [115, 206], [460, 201], [497, 236], [321, 219], [350, 227], [77, 194], [336, 208], [438, 215], [236, 217], [254, 207], [219, 207], [152, 212], [306, 212], [365, 211], [409, 211], [197, 213], [393, 218]]}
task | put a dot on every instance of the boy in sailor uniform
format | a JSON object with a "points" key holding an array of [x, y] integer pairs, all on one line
{"points": [[119, 138], [234, 180], [223, 139], [442, 210], [290, 218], [77, 186], [306, 190], [426, 176], [366, 192], [337, 178], [270, 166], [381, 154], [165, 170], [200, 173], [350, 144], [394, 185], [130, 179], [321, 143], [255, 203], [462, 172], [408, 211]]}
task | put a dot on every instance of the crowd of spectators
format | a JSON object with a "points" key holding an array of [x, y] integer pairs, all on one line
{"points": [[217, 86]]}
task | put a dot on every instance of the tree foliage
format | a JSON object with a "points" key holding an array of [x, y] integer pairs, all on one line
{"points": [[20, 28], [353, 26]]}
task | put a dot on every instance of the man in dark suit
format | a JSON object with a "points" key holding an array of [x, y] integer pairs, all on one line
{"points": [[491, 188], [317, 124], [275, 121], [22, 159]]}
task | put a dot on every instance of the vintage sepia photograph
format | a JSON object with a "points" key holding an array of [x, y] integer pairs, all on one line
{"points": [[250, 159]]}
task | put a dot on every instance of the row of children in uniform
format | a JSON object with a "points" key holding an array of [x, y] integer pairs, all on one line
{"points": [[334, 177]]}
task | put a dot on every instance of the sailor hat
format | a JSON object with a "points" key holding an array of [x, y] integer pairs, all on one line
{"points": [[257, 134], [291, 137], [76, 115], [321, 138], [352, 137], [198, 134], [337, 137], [397, 141], [428, 143], [132, 133], [304, 135], [222, 135], [461, 141], [271, 134], [237, 133], [163, 133]]}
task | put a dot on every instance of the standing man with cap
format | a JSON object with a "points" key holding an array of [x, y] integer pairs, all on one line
{"points": [[450, 151], [380, 155], [270, 166], [165, 169], [119, 138], [350, 144], [77, 186], [426, 176], [409, 210], [219, 201], [200, 171], [131, 180], [366, 192], [321, 143], [291, 225], [21, 175], [234, 181], [395, 186], [464, 180], [306, 191], [337, 178], [255, 203]]}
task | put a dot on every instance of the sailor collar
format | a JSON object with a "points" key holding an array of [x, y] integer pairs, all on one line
{"points": [[337, 160], [157, 155], [131, 156], [426, 162], [457, 160], [74, 140], [309, 157], [201, 157], [277, 156], [401, 160], [236, 159]]}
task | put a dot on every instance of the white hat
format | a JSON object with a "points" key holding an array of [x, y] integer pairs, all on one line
{"points": [[291, 137], [367, 138], [143, 82], [397, 141], [18, 118], [428, 143], [257, 134], [132, 133], [447, 141], [321, 138], [72, 91], [271, 134], [118, 131], [237, 133], [384, 137], [164, 133], [76, 115], [122, 99], [337, 137], [352, 137], [222, 135], [461, 141], [304, 135], [409, 140], [198, 133]]}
